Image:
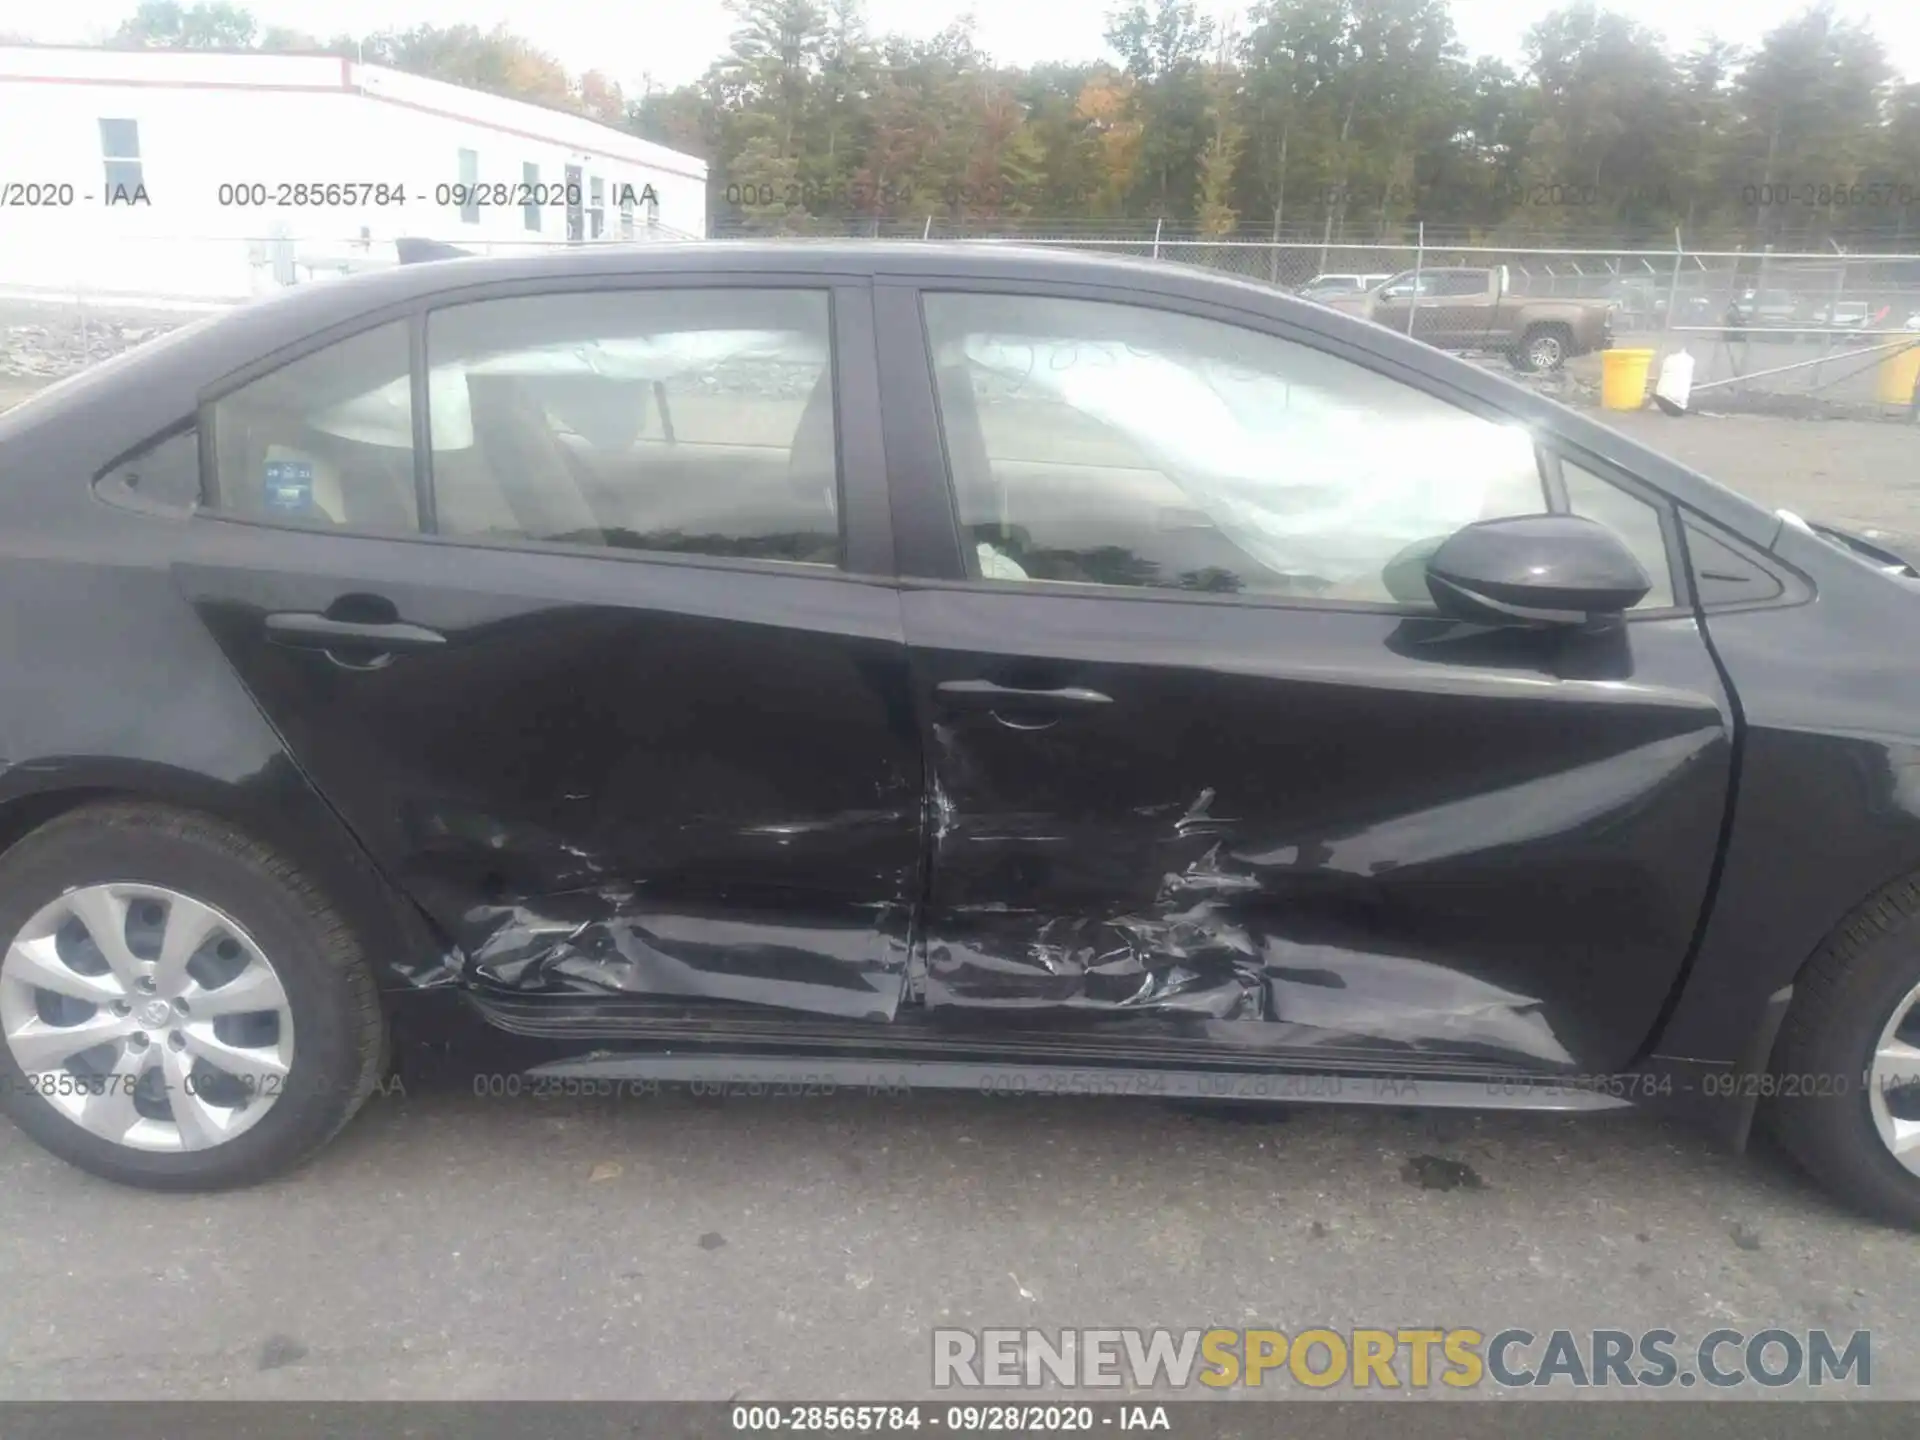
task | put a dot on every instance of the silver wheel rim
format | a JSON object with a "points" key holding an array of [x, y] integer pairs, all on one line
{"points": [[1896, 1065], [146, 1017], [1544, 352]]}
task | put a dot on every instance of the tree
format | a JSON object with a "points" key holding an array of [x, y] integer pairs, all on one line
{"points": [[1611, 137], [1346, 119], [166, 25], [778, 51], [1165, 51], [1222, 156], [1807, 112], [496, 61], [1106, 105]]}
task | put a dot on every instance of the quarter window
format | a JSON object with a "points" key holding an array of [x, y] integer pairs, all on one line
{"points": [[1109, 444], [690, 421], [166, 474], [326, 439]]}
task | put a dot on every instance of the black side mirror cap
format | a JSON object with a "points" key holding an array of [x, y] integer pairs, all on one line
{"points": [[1535, 570]]}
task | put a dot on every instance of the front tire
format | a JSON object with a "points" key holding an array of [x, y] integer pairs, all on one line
{"points": [[1847, 1064], [179, 1008]]}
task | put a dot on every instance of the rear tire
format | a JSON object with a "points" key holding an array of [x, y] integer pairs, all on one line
{"points": [[1841, 1056], [298, 956]]}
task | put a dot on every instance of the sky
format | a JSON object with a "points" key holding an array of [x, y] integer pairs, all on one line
{"points": [[674, 40]]}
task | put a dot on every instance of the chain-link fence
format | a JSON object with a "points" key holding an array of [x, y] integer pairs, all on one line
{"points": [[1789, 333]]}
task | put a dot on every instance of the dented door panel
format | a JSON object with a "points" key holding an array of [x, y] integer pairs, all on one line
{"points": [[1312, 827], [614, 777]]}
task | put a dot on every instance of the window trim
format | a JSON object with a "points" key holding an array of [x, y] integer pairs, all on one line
{"points": [[907, 326], [867, 550]]}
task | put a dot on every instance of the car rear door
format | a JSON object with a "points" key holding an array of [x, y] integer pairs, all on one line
{"points": [[1205, 765], [574, 600]]}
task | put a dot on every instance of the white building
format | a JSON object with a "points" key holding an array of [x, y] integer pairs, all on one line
{"points": [[195, 175]]}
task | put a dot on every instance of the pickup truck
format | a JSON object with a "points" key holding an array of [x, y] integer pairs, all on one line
{"points": [[1475, 309]]}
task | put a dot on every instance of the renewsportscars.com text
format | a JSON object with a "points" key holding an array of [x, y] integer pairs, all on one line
{"points": [[1399, 1358]]}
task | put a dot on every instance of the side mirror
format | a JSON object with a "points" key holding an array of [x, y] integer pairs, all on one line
{"points": [[1535, 570]]}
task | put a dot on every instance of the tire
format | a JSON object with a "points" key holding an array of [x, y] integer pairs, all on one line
{"points": [[335, 1049], [1842, 1004], [1543, 349]]}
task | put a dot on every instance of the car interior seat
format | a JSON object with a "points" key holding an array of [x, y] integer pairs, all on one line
{"points": [[537, 477]]}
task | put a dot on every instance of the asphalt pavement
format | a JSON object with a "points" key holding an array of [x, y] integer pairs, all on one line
{"points": [[450, 1246]]}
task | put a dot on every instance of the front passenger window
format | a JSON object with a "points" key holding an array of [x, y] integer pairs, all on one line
{"points": [[326, 439], [1111, 444]]}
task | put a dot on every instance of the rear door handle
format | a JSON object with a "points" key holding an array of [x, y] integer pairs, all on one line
{"points": [[321, 632], [985, 695]]}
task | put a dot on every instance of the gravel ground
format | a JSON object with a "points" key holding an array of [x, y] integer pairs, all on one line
{"points": [[454, 1247]]}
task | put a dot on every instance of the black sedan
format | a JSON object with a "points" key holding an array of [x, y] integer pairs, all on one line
{"points": [[836, 666]]}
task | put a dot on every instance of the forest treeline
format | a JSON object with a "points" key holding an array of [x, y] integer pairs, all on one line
{"points": [[1351, 118]]}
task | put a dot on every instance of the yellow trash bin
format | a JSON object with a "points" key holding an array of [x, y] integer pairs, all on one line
{"points": [[1897, 372], [1623, 378]]}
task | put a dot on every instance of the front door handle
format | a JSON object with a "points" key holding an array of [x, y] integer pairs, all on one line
{"points": [[375, 641], [985, 695]]}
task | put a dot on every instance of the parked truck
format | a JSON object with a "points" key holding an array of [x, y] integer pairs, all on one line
{"points": [[1457, 308]]}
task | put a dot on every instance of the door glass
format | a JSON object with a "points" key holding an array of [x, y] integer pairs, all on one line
{"points": [[698, 421], [327, 439], [1111, 444], [1634, 520]]}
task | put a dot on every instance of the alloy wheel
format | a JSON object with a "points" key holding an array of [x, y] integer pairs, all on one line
{"points": [[147, 1017], [1544, 352], [1893, 1082]]}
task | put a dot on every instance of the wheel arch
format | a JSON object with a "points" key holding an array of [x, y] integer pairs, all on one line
{"points": [[278, 808]]}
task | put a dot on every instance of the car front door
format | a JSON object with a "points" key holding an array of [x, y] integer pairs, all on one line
{"points": [[1207, 762], [575, 603]]}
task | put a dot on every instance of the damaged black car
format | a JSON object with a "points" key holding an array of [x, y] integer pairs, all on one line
{"points": [[964, 667]]}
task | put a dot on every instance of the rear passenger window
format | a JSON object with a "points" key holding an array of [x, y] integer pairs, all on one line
{"points": [[688, 421], [326, 439]]}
